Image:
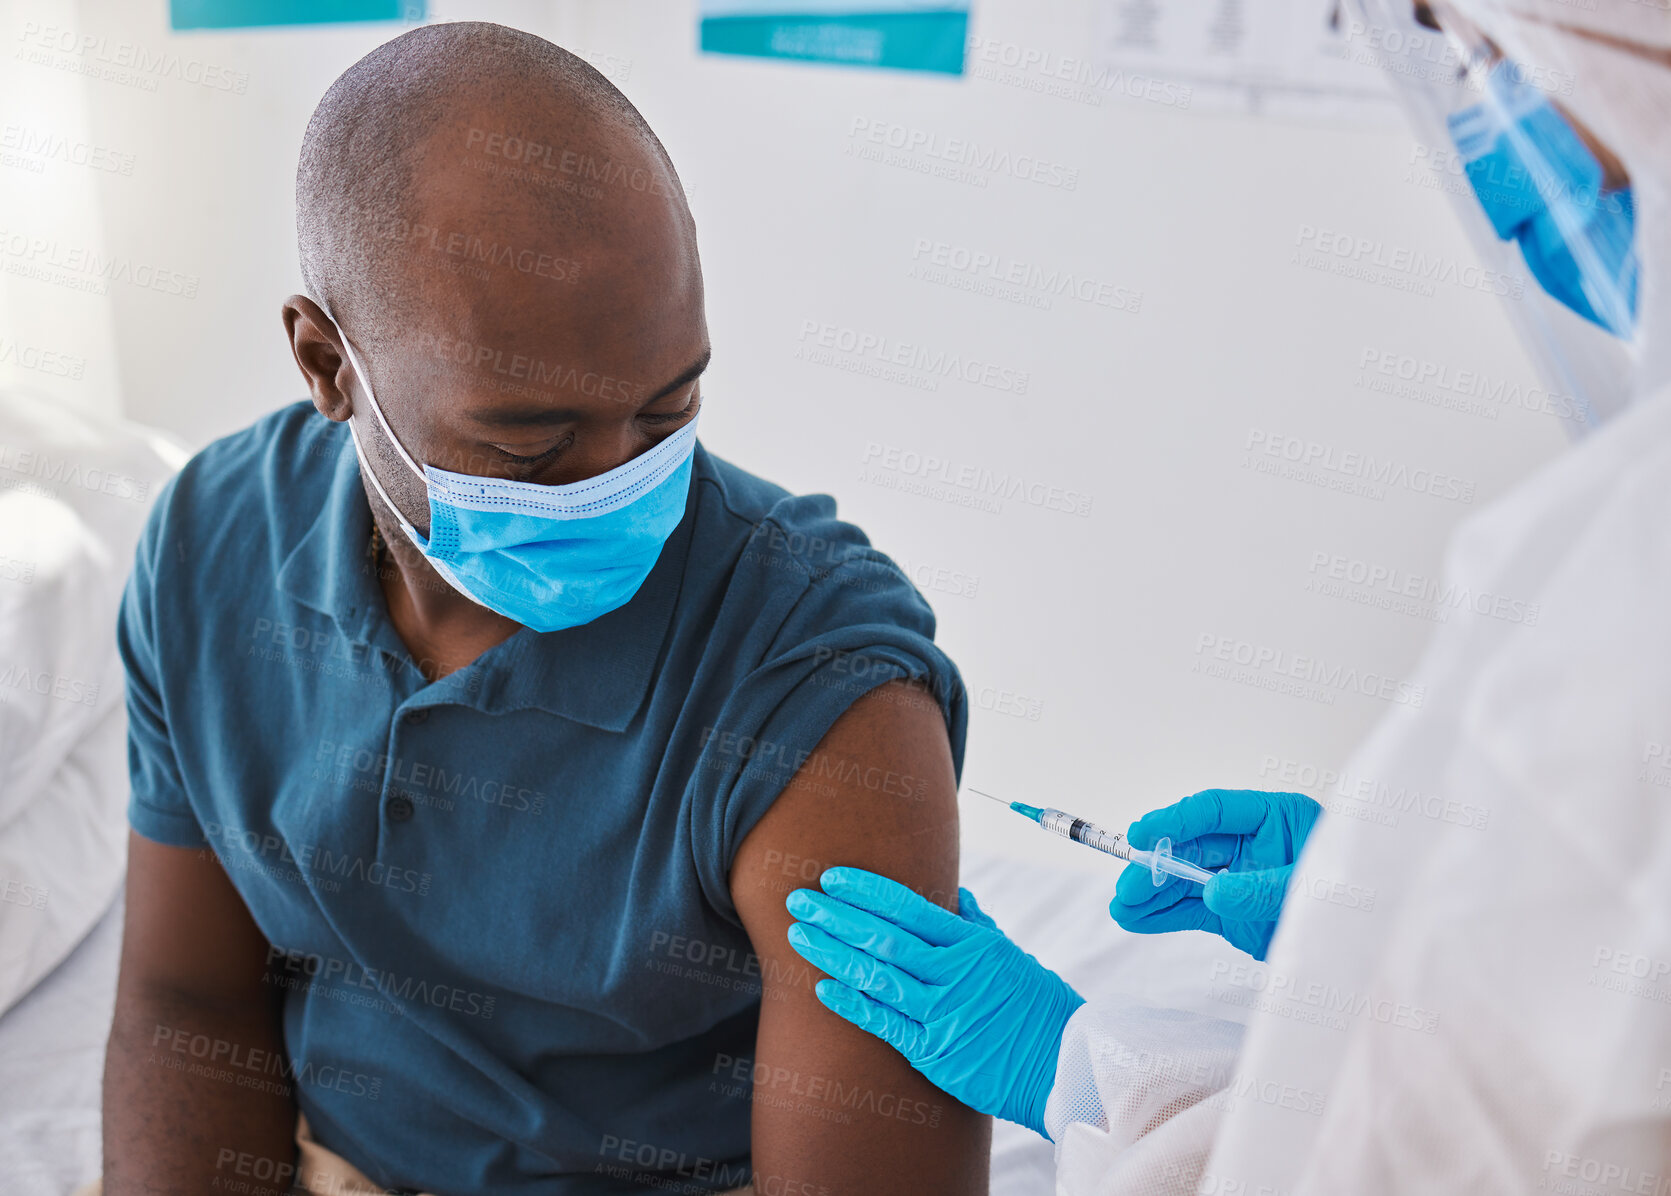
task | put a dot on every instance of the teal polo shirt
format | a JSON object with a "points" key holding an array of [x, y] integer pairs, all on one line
{"points": [[497, 903]]}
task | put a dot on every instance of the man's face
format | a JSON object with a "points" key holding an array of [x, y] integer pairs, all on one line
{"points": [[537, 352]]}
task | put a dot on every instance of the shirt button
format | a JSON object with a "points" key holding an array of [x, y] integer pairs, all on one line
{"points": [[416, 716], [400, 808]]}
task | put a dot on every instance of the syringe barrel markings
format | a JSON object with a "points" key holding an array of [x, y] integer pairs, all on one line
{"points": [[1059, 822]]}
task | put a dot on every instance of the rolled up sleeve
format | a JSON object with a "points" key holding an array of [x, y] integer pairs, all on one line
{"points": [[854, 628]]}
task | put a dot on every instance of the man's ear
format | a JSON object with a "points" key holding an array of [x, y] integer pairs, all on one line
{"points": [[318, 352]]}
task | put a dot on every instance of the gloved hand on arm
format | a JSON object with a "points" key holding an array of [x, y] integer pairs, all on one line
{"points": [[977, 1015], [1256, 836]]}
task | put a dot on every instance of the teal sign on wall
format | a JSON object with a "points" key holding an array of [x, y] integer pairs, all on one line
{"points": [[910, 35], [240, 14]]}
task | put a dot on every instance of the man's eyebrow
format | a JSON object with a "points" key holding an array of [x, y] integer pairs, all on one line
{"points": [[535, 416], [692, 372]]}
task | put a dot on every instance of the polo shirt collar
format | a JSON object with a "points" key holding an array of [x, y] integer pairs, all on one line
{"points": [[597, 673]]}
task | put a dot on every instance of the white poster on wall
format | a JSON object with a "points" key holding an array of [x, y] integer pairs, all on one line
{"points": [[1307, 59]]}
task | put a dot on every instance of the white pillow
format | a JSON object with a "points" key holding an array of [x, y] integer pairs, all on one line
{"points": [[75, 488]]}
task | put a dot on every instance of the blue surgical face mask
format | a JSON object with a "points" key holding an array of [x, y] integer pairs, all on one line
{"points": [[1540, 185], [548, 557]]}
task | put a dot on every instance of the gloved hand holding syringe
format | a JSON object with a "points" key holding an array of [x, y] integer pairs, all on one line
{"points": [[978, 1015], [1160, 862]]}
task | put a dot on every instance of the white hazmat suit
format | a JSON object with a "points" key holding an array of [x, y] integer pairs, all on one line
{"points": [[1500, 1020]]}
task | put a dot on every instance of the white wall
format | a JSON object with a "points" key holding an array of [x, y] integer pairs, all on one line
{"points": [[1096, 620], [1087, 627], [57, 335]]}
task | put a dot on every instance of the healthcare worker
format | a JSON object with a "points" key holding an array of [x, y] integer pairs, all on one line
{"points": [[1492, 1011]]}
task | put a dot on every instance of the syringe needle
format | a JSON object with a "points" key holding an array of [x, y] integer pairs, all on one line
{"points": [[999, 800]]}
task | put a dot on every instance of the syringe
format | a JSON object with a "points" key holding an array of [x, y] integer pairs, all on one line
{"points": [[1160, 862]]}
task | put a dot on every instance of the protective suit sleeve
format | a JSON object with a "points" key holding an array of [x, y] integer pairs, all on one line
{"points": [[1135, 1104]]}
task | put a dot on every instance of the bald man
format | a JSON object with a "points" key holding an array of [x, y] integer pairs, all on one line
{"points": [[481, 719]]}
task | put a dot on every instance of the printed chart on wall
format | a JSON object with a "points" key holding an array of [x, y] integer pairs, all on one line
{"points": [[908, 35], [1311, 60]]}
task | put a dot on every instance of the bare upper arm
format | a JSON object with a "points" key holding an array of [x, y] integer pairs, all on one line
{"points": [[835, 1109], [187, 933], [191, 976]]}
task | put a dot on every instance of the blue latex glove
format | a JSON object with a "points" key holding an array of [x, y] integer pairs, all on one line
{"points": [[1256, 836], [973, 1012]]}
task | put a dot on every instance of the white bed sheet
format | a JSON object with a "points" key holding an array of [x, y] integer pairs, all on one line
{"points": [[51, 1060], [74, 495], [52, 1042]]}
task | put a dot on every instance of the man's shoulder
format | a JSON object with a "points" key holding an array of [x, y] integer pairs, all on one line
{"points": [[791, 567], [243, 499], [288, 444], [754, 521], [277, 466], [730, 496]]}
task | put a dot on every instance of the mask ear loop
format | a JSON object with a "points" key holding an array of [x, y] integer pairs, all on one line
{"points": [[365, 467], [376, 407], [359, 449], [418, 541]]}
